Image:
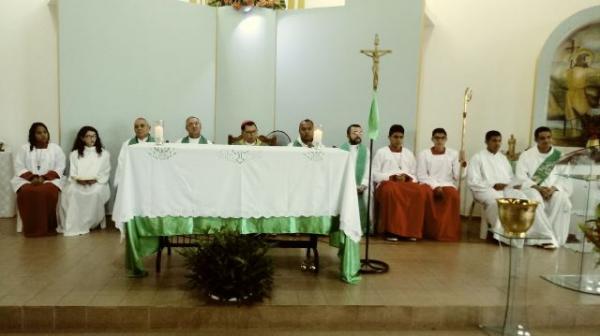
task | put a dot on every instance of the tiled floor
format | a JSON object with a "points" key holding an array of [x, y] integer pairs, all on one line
{"points": [[271, 332], [88, 271]]}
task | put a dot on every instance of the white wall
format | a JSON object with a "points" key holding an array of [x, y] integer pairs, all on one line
{"points": [[28, 69], [120, 60], [322, 75], [246, 56], [493, 47]]}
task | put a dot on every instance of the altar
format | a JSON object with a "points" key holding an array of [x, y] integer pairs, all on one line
{"points": [[182, 189]]}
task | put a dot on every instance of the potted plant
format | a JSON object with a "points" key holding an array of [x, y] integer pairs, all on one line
{"points": [[230, 267]]}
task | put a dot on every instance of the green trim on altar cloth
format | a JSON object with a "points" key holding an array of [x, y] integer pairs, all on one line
{"points": [[142, 236], [546, 167], [202, 140], [135, 140]]}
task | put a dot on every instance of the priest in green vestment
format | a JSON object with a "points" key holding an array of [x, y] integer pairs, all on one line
{"points": [[141, 129], [545, 182], [359, 154], [306, 132], [193, 126], [249, 135]]}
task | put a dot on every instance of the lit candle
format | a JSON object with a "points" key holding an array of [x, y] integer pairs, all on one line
{"points": [[318, 136], [158, 134]]}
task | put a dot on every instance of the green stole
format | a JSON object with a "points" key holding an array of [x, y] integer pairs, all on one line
{"points": [[545, 168], [359, 173], [134, 140], [297, 143], [202, 140]]}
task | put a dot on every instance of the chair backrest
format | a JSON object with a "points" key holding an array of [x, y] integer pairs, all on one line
{"points": [[271, 141], [281, 138]]}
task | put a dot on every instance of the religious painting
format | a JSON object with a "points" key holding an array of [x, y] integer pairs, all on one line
{"points": [[573, 111]]}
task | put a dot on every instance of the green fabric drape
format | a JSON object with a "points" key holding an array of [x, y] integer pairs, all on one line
{"points": [[142, 236]]}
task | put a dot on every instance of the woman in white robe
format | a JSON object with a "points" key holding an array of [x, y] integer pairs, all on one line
{"points": [[38, 180], [83, 199]]}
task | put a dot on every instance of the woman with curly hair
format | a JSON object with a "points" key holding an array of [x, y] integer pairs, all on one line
{"points": [[82, 202], [39, 167]]}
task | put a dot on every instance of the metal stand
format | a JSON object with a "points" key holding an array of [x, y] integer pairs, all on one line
{"points": [[371, 266]]}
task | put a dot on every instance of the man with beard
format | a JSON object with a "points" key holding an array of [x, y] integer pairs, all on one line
{"points": [[359, 154]]}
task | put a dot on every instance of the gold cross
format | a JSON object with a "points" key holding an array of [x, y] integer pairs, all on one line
{"points": [[375, 54]]}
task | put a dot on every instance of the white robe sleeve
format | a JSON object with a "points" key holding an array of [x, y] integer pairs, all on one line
{"points": [[455, 169], [73, 165], [522, 172], [411, 168], [422, 173], [379, 175], [104, 170], [475, 177], [59, 163]]}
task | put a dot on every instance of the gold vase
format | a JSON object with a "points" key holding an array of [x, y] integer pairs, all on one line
{"points": [[516, 215]]}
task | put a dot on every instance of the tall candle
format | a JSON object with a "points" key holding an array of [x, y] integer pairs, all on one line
{"points": [[318, 136], [159, 133]]}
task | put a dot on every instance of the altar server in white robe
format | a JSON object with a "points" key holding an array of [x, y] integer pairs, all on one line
{"points": [[39, 166], [142, 134], [439, 168], [194, 128], [83, 199], [542, 181], [490, 176]]}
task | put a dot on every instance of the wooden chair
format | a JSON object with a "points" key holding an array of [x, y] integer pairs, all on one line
{"points": [[271, 141]]}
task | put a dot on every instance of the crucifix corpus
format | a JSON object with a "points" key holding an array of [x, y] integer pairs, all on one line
{"points": [[375, 54]]}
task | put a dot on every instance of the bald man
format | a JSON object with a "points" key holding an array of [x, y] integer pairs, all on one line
{"points": [[142, 134], [306, 131], [194, 128]]}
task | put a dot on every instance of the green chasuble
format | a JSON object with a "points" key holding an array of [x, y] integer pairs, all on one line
{"points": [[544, 170], [135, 140], [359, 174], [202, 140]]}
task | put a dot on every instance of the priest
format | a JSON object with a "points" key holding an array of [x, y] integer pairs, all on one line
{"points": [[306, 133], [439, 168], [359, 156], [249, 135], [404, 204], [193, 126], [142, 135], [39, 167], [542, 181]]}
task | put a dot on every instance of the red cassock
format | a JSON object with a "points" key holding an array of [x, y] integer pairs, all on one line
{"points": [[445, 224], [404, 208], [37, 206]]}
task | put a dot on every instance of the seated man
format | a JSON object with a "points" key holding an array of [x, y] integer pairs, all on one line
{"points": [[249, 135], [194, 127], [142, 134], [537, 171], [439, 168], [404, 204], [82, 202], [360, 156], [306, 131], [490, 176]]}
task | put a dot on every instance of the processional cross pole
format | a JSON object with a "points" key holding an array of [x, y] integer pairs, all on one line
{"points": [[371, 266]]}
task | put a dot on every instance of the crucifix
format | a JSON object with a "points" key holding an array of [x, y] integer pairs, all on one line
{"points": [[375, 54]]}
